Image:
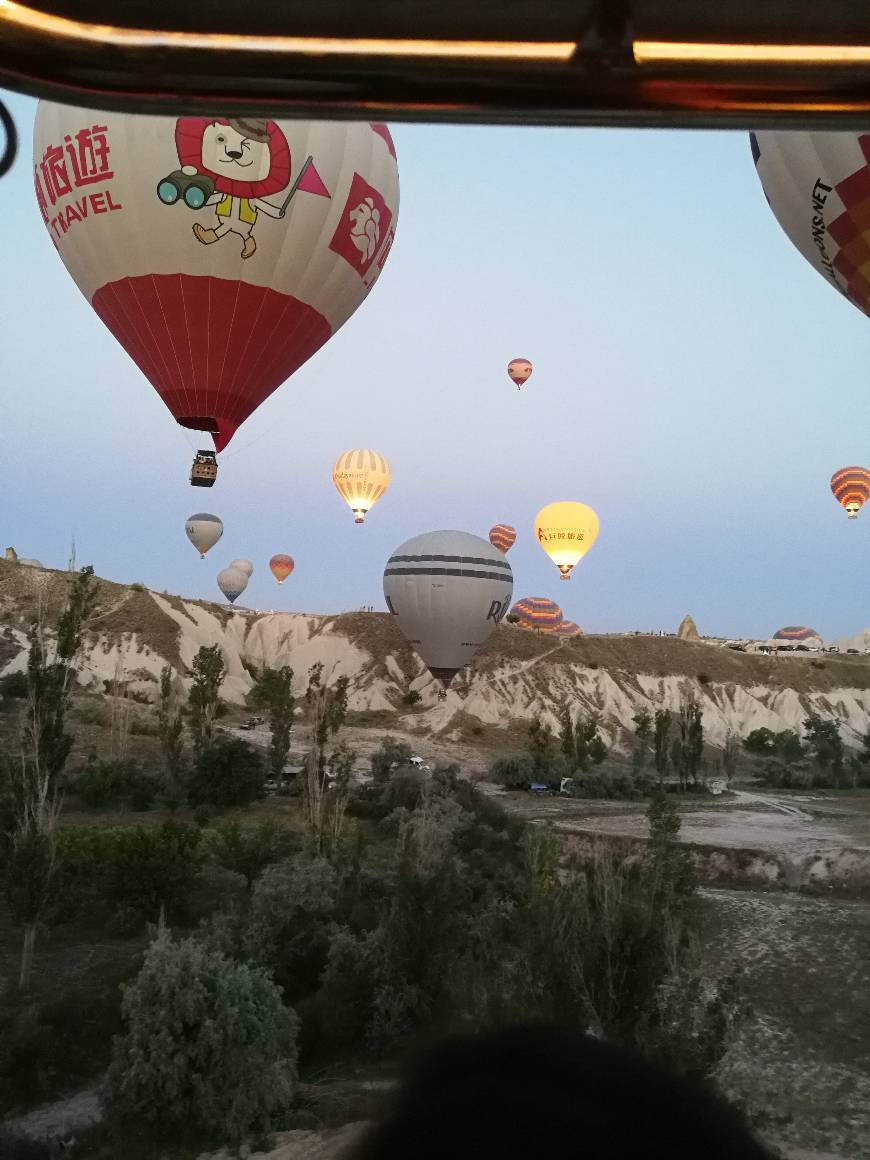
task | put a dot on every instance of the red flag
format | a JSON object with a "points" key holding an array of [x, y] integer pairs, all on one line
{"points": [[310, 181]]}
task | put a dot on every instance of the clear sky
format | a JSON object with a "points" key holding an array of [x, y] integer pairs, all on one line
{"points": [[695, 381]]}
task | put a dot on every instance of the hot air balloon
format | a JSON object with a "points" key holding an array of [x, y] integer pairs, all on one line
{"points": [[566, 532], [221, 251], [281, 567], [503, 537], [851, 488], [203, 531], [448, 591], [243, 566], [232, 582], [569, 628], [817, 186], [361, 477], [519, 370], [537, 612]]}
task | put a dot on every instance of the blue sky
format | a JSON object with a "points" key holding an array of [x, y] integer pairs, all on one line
{"points": [[695, 382]]}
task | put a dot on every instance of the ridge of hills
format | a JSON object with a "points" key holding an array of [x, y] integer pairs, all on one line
{"points": [[518, 674]]}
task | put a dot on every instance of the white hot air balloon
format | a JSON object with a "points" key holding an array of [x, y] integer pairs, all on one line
{"points": [[232, 582], [448, 591], [203, 530], [243, 566], [222, 251]]}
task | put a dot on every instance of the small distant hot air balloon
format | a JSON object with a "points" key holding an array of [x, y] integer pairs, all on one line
{"points": [[566, 531], [203, 530], [281, 566], [221, 250], [503, 537], [816, 184], [243, 566], [851, 488], [448, 591], [519, 370], [232, 582], [361, 477]]}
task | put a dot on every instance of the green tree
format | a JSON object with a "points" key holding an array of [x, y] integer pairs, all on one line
{"points": [[826, 746], [209, 1054], [566, 735], [540, 747], [148, 870], [662, 729], [388, 756], [273, 692], [247, 850], [691, 725], [32, 777], [730, 755], [761, 742], [643, 731], [170, 719], [229, 772], [327, 711], [208, 672]]}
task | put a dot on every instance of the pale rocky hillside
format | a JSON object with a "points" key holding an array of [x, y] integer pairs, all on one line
{"points": [[519, 674]]}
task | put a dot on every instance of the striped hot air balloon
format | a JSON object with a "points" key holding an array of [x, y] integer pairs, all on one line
{"points": [[361, 477], [281, 566], [569, 628], [537, 612], [851, 488], [796, 633], [503, 537]]}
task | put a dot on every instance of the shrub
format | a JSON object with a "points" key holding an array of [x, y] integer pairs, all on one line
{"points": [[248, 850], [14, 685], [513, 772], [703, 678], [210, 1052], [229, 772], [102, 783], [412, 697], [388, 756]]}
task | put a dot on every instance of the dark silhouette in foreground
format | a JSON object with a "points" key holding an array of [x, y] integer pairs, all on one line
{"points": [[552, 1094]]}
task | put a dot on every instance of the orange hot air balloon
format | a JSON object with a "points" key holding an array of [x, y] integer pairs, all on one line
{"points": [[503, 537], [519, 370], [281, 566], [851, 488]]}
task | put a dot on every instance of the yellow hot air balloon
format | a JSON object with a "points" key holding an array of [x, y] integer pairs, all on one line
{"points": [[361, 477], [566, 532]]}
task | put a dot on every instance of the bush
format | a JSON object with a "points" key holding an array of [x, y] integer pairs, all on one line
{"points": [[210, 1051], [412, 697], [14, 685], [513, 772], [703, 678], [229, 772], [388, 756], [103, 783], [248, 850]]}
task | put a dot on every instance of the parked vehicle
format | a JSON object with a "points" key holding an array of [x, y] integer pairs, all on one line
{"points": [[252, 722]]}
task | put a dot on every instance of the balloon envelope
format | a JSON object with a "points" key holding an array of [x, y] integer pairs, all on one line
{"points": [[232, 582], [503, 537], [448, 591], [519, 370], [851, 488], [818, 186], [243, 566], [221, 252], [203, 530], [537, 612], [361, 477], [566, 531], [281, 566]]}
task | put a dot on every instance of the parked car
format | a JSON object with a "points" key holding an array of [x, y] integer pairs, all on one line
{"points": [[418, 762], [538, 787], [252, 722], [854, 651]]}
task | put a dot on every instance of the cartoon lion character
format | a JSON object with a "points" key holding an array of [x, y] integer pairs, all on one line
{"points": [[246, 160]]}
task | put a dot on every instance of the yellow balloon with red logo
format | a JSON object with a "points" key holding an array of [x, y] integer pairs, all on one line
{"points": [[566, 531]]}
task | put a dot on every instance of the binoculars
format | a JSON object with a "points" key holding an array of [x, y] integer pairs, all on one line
{"points": [[193, 188]]}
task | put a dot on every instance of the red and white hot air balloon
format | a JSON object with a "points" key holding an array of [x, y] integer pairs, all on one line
{"points": [[222, 252], [503, 537], [281, 566], [519, 370]]}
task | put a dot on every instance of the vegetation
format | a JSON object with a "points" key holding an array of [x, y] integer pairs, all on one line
{"points": [[32, 777], [228, 772], [273, 692], [209, 1051], [208, 672], [327, 776]]}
